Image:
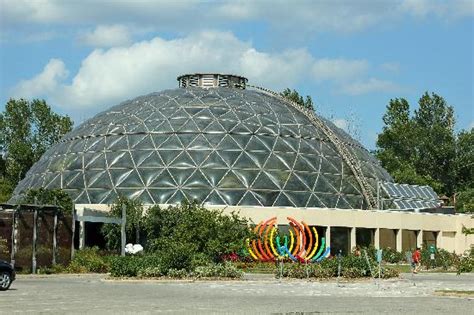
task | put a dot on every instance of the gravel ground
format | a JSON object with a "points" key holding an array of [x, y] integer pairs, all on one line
{"points": [[255, 295]]}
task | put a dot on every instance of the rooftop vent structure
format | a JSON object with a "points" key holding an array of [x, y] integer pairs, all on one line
{"points": [[212, 80]]}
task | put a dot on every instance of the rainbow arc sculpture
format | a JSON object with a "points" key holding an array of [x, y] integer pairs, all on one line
{"points": [[302, 245]]}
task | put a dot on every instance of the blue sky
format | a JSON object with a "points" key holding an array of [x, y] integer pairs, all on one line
{"points": [[352, 57]]}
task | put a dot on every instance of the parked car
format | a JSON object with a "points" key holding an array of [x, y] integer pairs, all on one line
{"points": [[7, 275]]}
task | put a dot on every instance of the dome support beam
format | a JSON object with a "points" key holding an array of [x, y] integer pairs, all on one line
{"points": [[347, 156]]}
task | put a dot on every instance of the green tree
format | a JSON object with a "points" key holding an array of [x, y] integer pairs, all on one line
{"points": [[298, 99], [465, 200], [465, 159], [133, 227], [44, 196], [27, 130], [419, 149]]}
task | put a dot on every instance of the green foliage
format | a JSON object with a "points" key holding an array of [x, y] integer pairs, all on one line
{"points": [[294, 96], [224, 270], [191, 229], [134, 223], [6, 189], [27, 130], [88, 260], [351, 267], [44, 196], [465, 201], [443, 259], [420, 149], [465, 160], [126, 266]]}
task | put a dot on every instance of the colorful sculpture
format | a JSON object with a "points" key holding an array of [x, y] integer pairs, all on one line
{"points": [[267, 247]]}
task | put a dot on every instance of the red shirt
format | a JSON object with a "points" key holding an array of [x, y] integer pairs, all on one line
{"points": [[416, 256]]}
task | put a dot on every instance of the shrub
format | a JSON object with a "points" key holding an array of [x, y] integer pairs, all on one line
{"points": [[177, 273], [150, 272], [88, 260], [125, 266], [224, 270]]}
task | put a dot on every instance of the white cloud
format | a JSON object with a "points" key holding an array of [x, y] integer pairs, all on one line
{"points": [[371, 85], [302, 17], [108, 76], [44, 83], [107, 36]]}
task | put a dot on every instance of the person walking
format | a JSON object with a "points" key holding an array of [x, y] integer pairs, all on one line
{"points": [[416, 260]]}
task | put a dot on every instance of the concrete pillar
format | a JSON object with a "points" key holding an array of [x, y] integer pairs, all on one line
{"points": [[438, 239], [328, 236], [82, 234], [377, 238], [399, 240], [353, 239], [419, 238]]}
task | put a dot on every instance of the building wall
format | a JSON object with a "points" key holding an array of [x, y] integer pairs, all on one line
{"points": [[389, 224]]}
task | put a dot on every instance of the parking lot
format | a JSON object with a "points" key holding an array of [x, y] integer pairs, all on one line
{"points": [[98, 294]]}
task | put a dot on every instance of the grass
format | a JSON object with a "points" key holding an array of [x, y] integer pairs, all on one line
{"points": [[455, 292]]}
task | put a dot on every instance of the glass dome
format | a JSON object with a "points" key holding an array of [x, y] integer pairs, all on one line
{"points": [[220, 146]]}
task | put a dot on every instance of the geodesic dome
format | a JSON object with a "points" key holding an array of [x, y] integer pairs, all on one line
{"points": [[220, 145]]}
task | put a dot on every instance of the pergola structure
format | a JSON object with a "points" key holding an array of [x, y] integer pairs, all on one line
{"points": [[16, 209]]}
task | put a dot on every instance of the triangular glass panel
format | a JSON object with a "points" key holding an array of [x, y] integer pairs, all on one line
{"points": [[255, 145], [160, 196], [145, 144], [247, 177], [177, 198], [97, 179], [241, 139], [265, 197], [279, 177], [330, 200], [186, 138], [214, 139], [328, 166], [178, 123], [228, 125], [74, 180], [287, 158], [124, 161], [230, 115], [343, 204], [232, 197], [150, 175], [197, 195], [312, 161], [314, 202], [118, 176], [289, 130], [133, 140], [295, 184], [96, 144], [245, 162], [164, 180], [275, 163], [215, 127], [264, 182], [328, 150], [228, 144], [214, 199], [283, 201], [189, 126], [214, 161], [96, 161], [180, 114], [308, 179], [115, 143], [197, 180], [181, 175], [269, 130], [249, 200], [334, 180], [204, 114], [241, 129], [192, 111], [202, 123], [229, 157], [302, 165], [282, 146], [173, 143], [322, 185], [230, 180], [199, 143], [214, 176], [159, 139], [259, 158], [54, 182], [114, 157], [164, 127], [299, 198], [199, 156], [168, 156], [133, 180], [218, 111], [145, 198], [306, 148]]}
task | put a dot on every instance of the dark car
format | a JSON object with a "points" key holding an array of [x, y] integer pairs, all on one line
{"points": [[7, 275]]}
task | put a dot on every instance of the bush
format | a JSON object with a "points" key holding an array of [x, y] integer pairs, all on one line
{"points": [[88, 260], [177, 273], [150, 272], [125, 266], [466, 263], [443, 259], [225, 270]]}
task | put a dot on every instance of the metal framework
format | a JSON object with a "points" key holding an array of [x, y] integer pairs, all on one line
{"points": [[350, 160]]}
